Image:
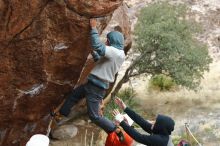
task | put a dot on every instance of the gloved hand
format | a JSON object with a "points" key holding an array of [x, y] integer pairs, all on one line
{"points": [[118, 117]]}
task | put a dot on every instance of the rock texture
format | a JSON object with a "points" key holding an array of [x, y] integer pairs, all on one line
{"points": [[44, 46], [65, 132]]}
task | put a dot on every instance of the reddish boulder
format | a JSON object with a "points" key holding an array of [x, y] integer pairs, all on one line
{"points": [[44, 46]]}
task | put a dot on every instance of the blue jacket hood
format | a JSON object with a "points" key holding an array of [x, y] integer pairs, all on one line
{"points": [[164, 125], [116, 39]]}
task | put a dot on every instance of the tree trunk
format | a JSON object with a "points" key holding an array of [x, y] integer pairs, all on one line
{"points": [[127, 75], [124, 79]]}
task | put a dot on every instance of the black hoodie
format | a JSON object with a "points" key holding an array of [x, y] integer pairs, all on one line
{"points": [[163, 127]]}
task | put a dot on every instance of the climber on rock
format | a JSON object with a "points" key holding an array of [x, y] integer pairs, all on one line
{"points": [[159, 131], [109, 57]]}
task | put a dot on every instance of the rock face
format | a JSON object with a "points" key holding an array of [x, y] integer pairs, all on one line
{"points": [[44, 46], [65, 132]]}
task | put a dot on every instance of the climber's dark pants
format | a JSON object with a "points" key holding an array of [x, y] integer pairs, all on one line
{"points": [[94, 96]]}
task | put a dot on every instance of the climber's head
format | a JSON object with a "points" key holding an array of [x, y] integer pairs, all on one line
{"points": [[163, 125], [115, 39]]}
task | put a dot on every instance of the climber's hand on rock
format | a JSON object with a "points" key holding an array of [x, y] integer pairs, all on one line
{"points": [[93, 23]]}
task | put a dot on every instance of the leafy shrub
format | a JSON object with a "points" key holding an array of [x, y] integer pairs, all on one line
{"points": [[178, 138], [127, 95], [161, 82], [165, 38]]}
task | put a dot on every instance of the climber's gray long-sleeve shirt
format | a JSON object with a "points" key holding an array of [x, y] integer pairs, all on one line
{"points": [[111, 58]]}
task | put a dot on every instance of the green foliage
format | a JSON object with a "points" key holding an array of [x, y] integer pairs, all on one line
{"points": [[177, 139], [161, 82], [168, 39], [127, 95]]}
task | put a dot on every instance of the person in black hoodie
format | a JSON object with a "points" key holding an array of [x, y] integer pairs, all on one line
{"points": [[159, 131]]}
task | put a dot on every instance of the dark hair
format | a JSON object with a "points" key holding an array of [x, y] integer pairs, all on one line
{"points": [[118, 28]]}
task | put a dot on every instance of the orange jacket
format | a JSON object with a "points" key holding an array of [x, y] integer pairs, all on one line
{"points": [[113, 140]]}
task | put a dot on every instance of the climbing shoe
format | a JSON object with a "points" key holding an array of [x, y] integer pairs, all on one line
{"points": [[59, 119]]}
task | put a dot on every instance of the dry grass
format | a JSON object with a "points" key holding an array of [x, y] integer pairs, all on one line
{"points": [[207, 95], [184, 105]]}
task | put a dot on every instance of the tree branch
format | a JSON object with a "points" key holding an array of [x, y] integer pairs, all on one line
{"points": [[129, 71]]}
